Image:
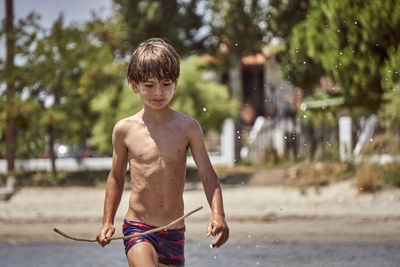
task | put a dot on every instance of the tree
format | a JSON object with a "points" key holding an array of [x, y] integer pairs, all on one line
{"points": [[177, 21], [56, 65], [282, 16], [237, 29], [15, 107], [297, 67], [10, 90], [390, 109], [351, 40]]}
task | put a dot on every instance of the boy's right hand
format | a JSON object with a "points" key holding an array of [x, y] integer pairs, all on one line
{"points": [[105, 233]]}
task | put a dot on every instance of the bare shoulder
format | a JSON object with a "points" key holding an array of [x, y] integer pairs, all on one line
{"points": [[122, 127], [188, 123]]}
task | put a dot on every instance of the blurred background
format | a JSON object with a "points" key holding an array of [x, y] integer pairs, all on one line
{"points": [[299, 102], [302, 81]]}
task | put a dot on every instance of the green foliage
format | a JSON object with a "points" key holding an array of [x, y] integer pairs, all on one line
{"points": [[22, 111], [352, 40], [391, 174], [55, 67], [237, 29], [391, 108], [296, 66], [319, 117], [177, 21], [206, 101], [284, 15], [391, 83]]}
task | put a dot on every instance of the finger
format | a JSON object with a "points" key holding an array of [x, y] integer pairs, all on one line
{"points": [[102, 239], [109, 234], [215, 230], [218, 240], [222, 237], [209, 229]]}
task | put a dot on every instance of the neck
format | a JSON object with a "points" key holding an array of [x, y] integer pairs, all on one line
{"points": [[155, 115]]}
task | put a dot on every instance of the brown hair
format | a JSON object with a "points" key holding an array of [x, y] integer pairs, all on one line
{"points": [[154, 58]]}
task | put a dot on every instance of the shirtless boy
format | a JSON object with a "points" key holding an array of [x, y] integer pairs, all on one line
{"points": [[155, 142]]}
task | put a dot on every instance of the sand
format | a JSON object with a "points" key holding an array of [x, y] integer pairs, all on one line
{"points": [[255, 212]]}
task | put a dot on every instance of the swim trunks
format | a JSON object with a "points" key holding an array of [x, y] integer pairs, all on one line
{"points": [[169, 243]]}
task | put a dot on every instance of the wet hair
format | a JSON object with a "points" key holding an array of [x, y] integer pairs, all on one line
{"points": [[156, 59]]}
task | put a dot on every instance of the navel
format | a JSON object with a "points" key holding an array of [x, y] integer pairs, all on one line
{"points": [[162, 204]]}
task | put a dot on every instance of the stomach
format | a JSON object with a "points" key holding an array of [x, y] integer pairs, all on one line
{"points": [[156, 200]]}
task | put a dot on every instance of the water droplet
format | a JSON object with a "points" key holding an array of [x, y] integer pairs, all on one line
{"points": [[242, 182], [285, 137], [211, 245], [371, 140], [204, 109], [305, 116], [215, 257]]}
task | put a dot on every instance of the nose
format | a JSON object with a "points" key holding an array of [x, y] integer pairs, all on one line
{"points": [[158, 90]]}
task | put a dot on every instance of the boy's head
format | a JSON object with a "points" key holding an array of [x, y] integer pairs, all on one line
{"points": [[156, 59]]}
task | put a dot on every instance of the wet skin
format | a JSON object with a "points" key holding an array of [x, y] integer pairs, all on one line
{"points": [[155, 142]]}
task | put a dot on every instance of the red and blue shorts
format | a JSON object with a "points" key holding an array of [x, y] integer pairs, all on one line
{"points": [[169, 243]]}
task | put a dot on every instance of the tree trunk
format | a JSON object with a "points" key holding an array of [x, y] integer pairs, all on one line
{"points": [[52, 155], [10, 127]]}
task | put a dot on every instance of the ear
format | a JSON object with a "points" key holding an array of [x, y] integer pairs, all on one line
{"points": [[134, 86]]}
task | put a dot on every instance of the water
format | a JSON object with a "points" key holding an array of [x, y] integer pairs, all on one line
{"points": [[201, 255]]}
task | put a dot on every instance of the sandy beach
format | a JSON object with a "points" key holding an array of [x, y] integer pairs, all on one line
{"points": [[255, 210]]}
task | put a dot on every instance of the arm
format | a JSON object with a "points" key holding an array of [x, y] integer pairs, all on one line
{"points": [[115, 185], [217, 224]]}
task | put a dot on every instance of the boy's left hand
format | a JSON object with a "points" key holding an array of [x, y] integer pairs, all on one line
{"points": [[217, 226]]}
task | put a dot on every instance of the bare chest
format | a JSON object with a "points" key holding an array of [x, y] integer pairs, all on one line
{"points": [[149, 145]]}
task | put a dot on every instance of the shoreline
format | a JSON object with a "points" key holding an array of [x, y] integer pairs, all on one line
{"points": [[255, 213]]}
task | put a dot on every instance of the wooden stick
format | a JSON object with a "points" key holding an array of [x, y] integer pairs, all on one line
{"points": [[171, 224]]}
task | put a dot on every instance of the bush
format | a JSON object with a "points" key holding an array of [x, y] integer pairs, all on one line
{"points": [[369, 177], [391, 174], [318, 174], [72, 178]]}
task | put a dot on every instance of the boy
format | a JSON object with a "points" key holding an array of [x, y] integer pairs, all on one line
{"points": [[154, 142]]}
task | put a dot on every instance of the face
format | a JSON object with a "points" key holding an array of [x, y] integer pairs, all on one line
{"points": [[154, 93]]}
